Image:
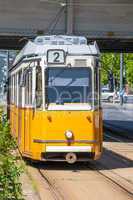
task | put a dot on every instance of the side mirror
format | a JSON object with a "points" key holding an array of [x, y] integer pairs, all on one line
{"points": [[5, 88]]}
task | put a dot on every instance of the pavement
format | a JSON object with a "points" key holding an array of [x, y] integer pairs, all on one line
{"points": [[118, 119]]}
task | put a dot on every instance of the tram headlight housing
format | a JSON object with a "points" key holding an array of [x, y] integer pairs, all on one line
{"points": [[69, 134]]}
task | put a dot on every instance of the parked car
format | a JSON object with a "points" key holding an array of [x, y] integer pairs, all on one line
{"points": [[108, 95]]}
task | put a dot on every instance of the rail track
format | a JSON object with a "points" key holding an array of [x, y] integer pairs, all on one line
{"points": [[120, 145], [55, 191], [113, 180], [62, 180], [118, 138], [111, 177]]}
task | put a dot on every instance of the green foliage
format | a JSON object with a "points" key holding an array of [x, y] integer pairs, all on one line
{"points": [[111, 61], [10, 188], [128, 59]]}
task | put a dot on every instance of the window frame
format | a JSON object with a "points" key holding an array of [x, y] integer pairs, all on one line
{"points": [[40, 91], [46, 83], [28, 87]]}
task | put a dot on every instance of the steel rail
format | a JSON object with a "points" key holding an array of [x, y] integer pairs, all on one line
{"points": [[57, 195]]}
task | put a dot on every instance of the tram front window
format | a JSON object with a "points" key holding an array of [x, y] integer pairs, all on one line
{"points": [[69, 85]]}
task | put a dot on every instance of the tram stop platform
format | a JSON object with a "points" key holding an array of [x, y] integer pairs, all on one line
{"points": [[118, 119]]}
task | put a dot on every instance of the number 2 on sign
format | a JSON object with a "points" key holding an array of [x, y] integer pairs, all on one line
{"points": [[56, 57]]}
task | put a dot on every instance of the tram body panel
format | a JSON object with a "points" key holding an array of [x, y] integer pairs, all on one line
{"points": [[41, 129]]}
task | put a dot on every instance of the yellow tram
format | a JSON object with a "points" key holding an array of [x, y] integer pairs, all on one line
{"points": [[54, 99]]}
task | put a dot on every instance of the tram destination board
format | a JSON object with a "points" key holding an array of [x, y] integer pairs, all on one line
{"points": [[55, 56]]}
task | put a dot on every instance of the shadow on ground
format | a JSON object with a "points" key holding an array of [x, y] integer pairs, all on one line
{"points": [[119, 127], [109, 160]]}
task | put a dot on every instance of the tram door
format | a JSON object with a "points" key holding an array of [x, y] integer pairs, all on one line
{"points": [[27, 110]]}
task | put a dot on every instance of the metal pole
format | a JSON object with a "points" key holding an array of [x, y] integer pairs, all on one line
{"points": [[121, 79], [69, 17], [7, 84], [8, 61]]}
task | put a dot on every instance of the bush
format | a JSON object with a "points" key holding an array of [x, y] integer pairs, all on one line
{"points": [[10, 188]]}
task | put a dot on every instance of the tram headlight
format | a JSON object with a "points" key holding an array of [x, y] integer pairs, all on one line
{"points": [[69, 134]]}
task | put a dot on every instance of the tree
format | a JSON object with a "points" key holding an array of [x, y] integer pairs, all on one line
{"points": [[128, 59], [111, 61]]}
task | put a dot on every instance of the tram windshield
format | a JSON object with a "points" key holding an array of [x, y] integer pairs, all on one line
{"points": [[69, 85]]}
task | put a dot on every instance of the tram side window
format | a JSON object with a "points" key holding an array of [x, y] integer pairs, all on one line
{"points": [[96, 87], [15, 89], [28, 87], [20, 88], [99, 84], [38, 87], [11, 89]]}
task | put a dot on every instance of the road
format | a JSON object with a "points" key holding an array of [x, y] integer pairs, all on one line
{"points": [[119, 119], [109, 178], [129, 99]]}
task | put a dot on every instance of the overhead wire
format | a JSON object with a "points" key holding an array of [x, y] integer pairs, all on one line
{"points": [[55, 21]]}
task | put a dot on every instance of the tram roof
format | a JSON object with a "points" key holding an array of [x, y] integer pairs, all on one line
{"points": [[73, 45]]}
